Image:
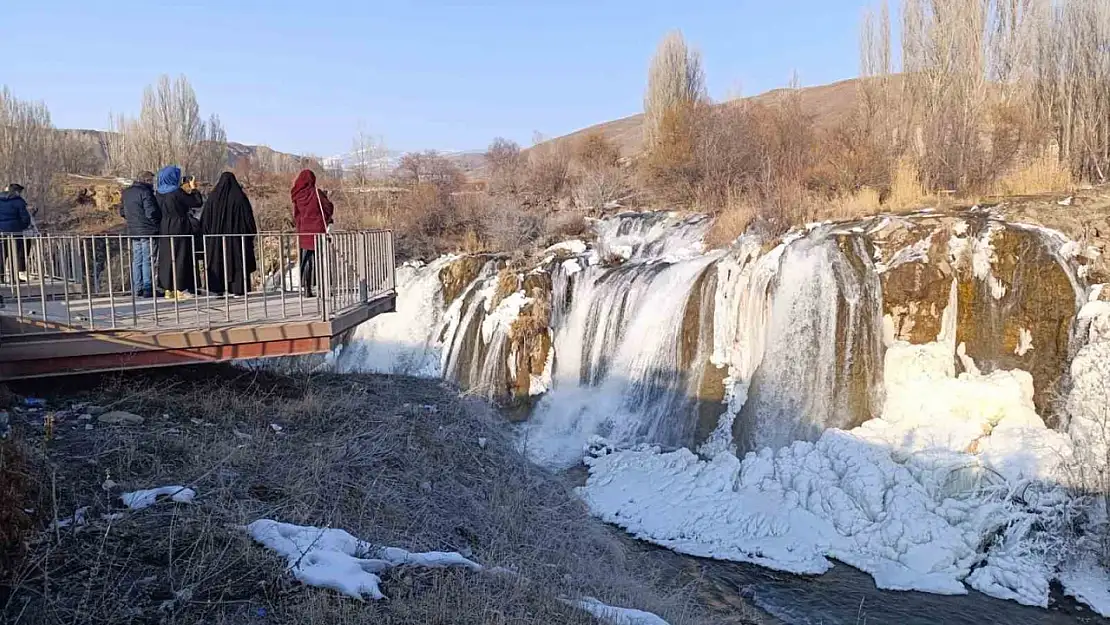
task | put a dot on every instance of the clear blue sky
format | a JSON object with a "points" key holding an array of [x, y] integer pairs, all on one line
{"points": [[305, 76]]}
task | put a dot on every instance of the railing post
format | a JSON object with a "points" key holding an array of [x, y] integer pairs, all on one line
{"points": [[390, 261], [322, 274]]}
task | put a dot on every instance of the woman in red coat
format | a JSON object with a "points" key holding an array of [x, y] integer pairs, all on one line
{"points": [[312, 214]]}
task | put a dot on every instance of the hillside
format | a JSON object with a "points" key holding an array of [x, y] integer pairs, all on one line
{"points": [[97, 141], [393, 460], [828, 104]]}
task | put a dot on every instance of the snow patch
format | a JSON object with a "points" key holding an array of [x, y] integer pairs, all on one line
{"points": [[1025, 342], [1089, 583], [574, 247], [334, 559], [141, 499], [611, 615], [571, 267]]}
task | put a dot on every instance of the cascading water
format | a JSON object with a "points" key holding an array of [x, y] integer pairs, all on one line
{"points": [[821, 345], [617, 366]]}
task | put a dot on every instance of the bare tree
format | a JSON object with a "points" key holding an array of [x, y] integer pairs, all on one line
{"points": [[430, 168], [33, 152], [506, 166], [169, 130], [1073, 82], [368, 157], [26, 145], [675, 79]]}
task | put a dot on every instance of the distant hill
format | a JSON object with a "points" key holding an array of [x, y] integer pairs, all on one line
{"points": [[97, 142], [382, 164], [829, 104]]}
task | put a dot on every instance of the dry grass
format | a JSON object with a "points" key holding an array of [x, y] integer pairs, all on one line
{"points": [[1043, 174], [730, 223], [906, 188], [393, 460], [863, 203]]}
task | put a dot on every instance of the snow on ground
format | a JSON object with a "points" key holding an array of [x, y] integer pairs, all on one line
{"points": [[1088, 582], [611, 615], [141, 499], [334, 559], [909, 497]]}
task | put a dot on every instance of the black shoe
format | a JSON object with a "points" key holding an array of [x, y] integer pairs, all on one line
{"points": [[145, 294], [307, 293]]}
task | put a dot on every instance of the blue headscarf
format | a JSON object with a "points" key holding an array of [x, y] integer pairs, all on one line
{"points": [[169, 179]]}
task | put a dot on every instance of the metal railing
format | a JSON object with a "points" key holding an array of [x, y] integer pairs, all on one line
{"points": [[57, 283]]}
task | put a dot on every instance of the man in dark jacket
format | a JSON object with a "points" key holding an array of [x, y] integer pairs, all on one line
{"points": [[14, 219], [143, 222]]}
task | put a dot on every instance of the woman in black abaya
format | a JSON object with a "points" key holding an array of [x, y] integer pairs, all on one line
{"points": [[229, 259]]}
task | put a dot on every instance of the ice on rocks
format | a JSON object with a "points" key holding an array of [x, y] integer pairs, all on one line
{"points": [[909, 497], [141, 499], [336, 560], [573, 247]]}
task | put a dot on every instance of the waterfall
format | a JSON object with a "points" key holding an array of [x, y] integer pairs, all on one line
{"points": [[617, 366], [821, 344], [641, 336], [774, 362]]}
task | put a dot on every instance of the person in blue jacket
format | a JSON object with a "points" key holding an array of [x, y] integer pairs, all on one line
{"points": [[14, 220]]}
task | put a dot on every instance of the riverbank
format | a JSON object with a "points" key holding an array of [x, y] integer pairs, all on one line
{"points": [[395, 461]]}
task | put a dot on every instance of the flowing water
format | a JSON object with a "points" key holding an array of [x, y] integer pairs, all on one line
{"points": [[644, 337]]}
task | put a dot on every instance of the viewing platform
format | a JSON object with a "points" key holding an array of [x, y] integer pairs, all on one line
{"points": [[69, 307]]}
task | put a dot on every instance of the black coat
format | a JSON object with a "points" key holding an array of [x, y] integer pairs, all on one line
{"points": [[14, 216], [141, 210], [176, 262], [230, 259]]}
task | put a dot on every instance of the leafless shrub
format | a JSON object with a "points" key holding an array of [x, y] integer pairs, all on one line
{"points": [[599, 178], [548, 172], [509, 226], [506, 167], [169, 130]]}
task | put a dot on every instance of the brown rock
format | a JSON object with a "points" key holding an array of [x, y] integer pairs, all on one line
{"points": [[456, 276], [1039, 299]]}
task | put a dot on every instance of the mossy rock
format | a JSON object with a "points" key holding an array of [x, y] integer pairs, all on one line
{"points": [[1039, 300], [458, 274]]}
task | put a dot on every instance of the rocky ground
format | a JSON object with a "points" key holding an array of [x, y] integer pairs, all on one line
{"points": [[395, 461]]}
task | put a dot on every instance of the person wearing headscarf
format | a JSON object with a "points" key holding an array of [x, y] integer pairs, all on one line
{"points": [[312, 214], [229, 259], [175, 248]]}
